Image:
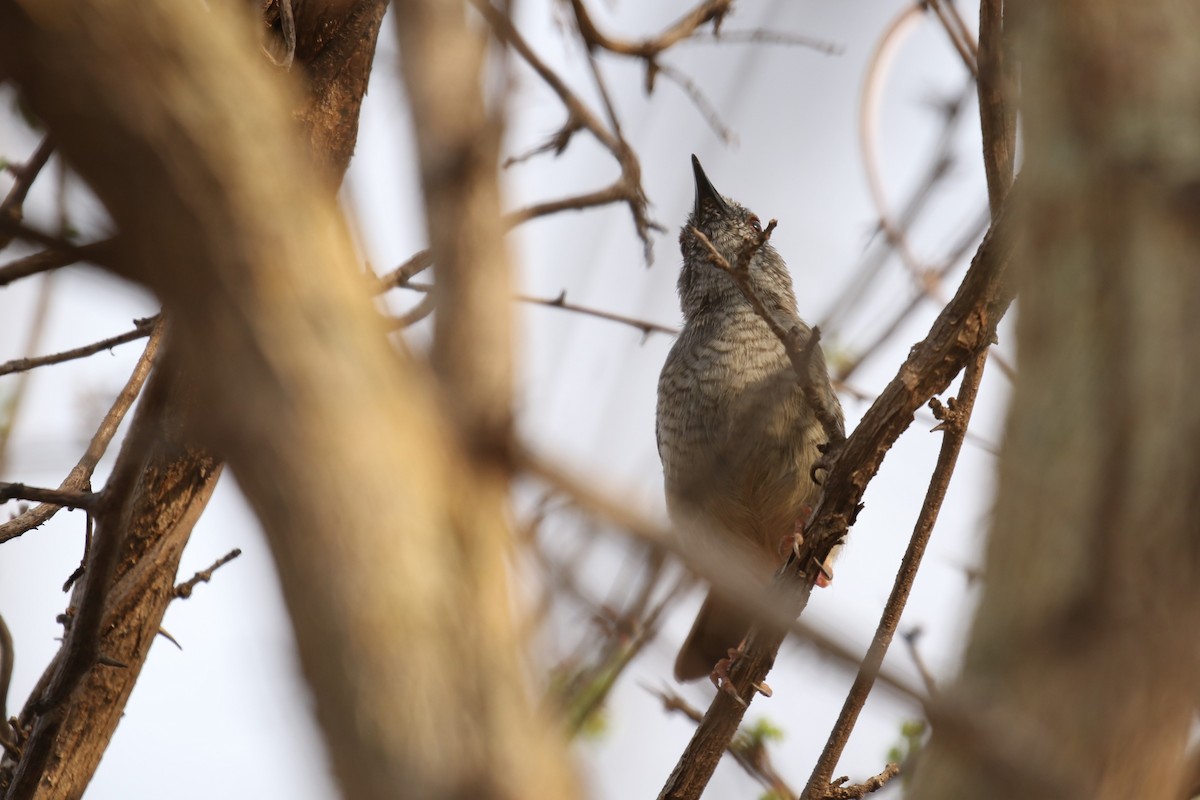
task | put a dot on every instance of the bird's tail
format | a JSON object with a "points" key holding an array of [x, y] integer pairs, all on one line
{"points": [[719, 627]]}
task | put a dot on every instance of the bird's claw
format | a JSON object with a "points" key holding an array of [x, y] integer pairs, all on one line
{"points": [[720, 674], [824, 463]]}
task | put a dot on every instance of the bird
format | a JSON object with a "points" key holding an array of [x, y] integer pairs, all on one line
{"points": [[737, 439]]}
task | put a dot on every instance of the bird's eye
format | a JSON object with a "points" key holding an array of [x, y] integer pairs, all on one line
{"points": [[754, 223]]}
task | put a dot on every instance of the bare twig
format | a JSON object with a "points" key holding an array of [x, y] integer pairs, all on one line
{"points": [[580, 116], [910, 641], [560, 301], [765, 36], [960, 37], [54, 258], [402, 274], [58, 497], [81, 473], [37, 327], [184, 590], [25, 174], [954, 422], [142, 328]]}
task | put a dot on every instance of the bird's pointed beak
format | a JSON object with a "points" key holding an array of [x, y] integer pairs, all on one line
{"points": [[706, 193]]}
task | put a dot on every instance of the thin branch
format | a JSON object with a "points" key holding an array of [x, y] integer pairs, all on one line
{"points": [[700, 101], [81, 473], [54, 258], [749, 752], [954, 421], [997, 102], [765, 36], [960, 37], [58, 497], [964, 327], [644, 326], [25, 174], [142, 329], [579, 114], [184, 590], [401, 275], [648, 49], [37, 328], [910, 641]]}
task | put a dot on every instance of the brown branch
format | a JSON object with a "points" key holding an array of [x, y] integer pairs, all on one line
{"points": [[81, 651], [766, 36], [81, 473], [955, 419], [644, 326], [960, 37], [965, 326], [750, 754], [648, 49], [184, 590], [58, 497], [402, 274], [997, 102], [142, 329], [25, 174], [54, 258], [579, 114], [858, 791]]}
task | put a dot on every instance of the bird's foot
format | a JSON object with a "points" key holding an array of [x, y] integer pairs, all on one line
{"points": [[720, 673], [792, 543], [829, 454]]}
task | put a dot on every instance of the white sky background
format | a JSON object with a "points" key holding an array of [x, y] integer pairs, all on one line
{"points": [[229, 716]]}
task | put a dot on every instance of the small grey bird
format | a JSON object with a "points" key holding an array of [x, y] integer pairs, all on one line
{"points": [[737, 439]]}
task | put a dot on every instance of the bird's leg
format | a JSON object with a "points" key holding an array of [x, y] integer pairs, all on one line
{"points": [[792, 542]]}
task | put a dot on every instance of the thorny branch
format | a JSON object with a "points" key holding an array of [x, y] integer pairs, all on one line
{"points": [[142, 328], [955, 419], [81, 473], [628, 187], [750, 753], [560, 301]]}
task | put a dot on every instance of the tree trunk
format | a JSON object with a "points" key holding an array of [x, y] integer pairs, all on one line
{"points": [[1079, 677]]}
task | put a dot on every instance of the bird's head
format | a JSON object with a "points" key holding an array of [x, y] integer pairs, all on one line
{"points": [[732, 229]]}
